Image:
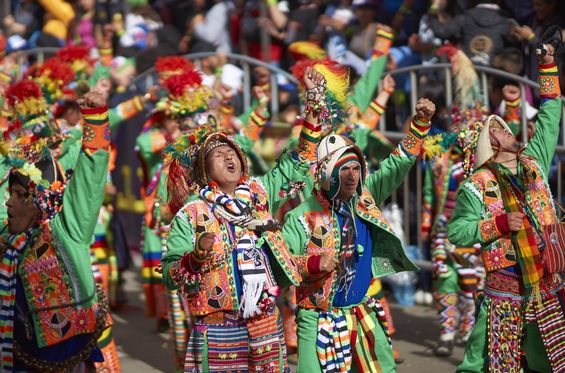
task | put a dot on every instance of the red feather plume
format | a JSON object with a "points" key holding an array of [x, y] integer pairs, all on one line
{"points": [[172, 63], [21, 90], [57, 70], [177, 84], [73, 53], [178, 187]]}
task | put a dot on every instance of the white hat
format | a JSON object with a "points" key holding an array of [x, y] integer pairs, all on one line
{"points": [[330, 150], [483, 151]]}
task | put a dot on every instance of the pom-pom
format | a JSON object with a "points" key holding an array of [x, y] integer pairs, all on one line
{"points": [[177, 85], [23, 90], [172, 65]]}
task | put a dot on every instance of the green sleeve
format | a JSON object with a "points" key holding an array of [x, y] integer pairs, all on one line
{"points": [[383, 182], [364, 89], [244, 142], [294, 234], [244, 117], [428, 188], [180, 241], [287, 169], [125, 111], [83, 197], [543, 143], [463, 228], [161, 196]]}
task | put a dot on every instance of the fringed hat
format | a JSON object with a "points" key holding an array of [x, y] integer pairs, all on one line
{"points": [[26, 148], [29, 115], [186, 95], [78, 56], [187, 170], [475, 142], [333, 108], [333, 152], [54, 76]]}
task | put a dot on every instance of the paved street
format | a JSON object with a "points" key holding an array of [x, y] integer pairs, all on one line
{"points": [[143, 350]]}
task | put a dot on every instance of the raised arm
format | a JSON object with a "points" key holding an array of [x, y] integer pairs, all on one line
{"points": [[85, 192], [376, 109], [544, 141], [295, 166], [365, 87], [383, 182]]}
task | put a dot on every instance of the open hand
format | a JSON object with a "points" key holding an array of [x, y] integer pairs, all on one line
{"points": [[389, 84]]}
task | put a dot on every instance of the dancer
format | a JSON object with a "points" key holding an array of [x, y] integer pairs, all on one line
{"points": [[341, 241], [506, 206]]}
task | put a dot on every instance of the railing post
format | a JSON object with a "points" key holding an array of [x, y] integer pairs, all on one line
{"points": [[413, 92], [246, 86], [484, 85], [523, 117], [448, 88]]}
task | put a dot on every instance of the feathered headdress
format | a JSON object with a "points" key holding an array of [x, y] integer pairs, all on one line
{"points": [[78, 56], [26, 144], [54, 76], [186, 95], [187, 156], [333, 109]]}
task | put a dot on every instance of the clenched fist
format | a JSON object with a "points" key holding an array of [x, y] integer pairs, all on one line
{"points": [[425, 108], [313, 79], [547, 58], [515, 220], [328, 263], [204, 245], [92, 99]]}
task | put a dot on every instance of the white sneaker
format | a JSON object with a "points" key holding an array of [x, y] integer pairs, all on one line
{"points": [[428, 299], [419, 297]]}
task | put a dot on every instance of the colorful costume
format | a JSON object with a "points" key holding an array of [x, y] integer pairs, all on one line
{"points": [[236, 324], [337, 322], [457, 269], [54, 312], [521, 320]]}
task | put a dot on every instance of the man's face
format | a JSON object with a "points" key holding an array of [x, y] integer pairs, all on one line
{"points": [[22, 212], [505, 138], [349, 176], [224, 167]]}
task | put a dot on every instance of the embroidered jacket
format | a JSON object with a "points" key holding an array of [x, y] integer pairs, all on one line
{"points": [[310, 229], [479, 199], [54, 269], [217, 290]]}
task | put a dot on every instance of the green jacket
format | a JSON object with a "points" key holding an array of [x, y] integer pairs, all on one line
{"points": [[478, 204], [181, 237], [56, 263]]}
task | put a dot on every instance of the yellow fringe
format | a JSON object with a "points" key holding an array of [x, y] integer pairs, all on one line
{"points": [[336, 84]]}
